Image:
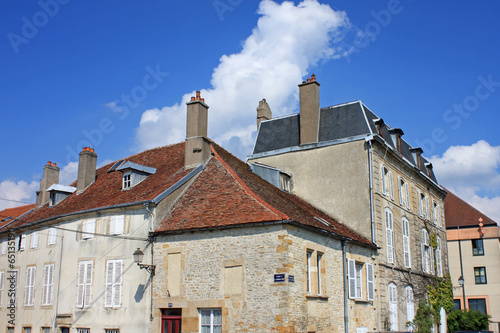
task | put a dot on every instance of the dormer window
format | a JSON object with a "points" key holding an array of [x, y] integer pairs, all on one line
{"points": [[285, 182], [277, 177], [58, 193], [134, 173], [127, 180]]}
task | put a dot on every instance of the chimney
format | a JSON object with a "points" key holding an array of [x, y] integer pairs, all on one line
{"points": [[197, 146], [86, 169], [50, 177], [417, 152], [263, 112], [396, 134], [309, 110]]}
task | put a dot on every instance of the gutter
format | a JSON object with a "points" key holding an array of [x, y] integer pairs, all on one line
{"points": [[344, 268], [58, 285]]}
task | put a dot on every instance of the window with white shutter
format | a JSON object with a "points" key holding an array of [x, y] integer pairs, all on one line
{"points": [[410, 306], [386, 181], [88, 229], [406, 242], [34, 239], [437, 213], [48, 283], [116, 224], [359, 281], [351, 271], [391, 188], [29, 295], [427, 214], [421, 204], [389, 227], [114, 269], [84, 283], [370, 287], [393, 307], [1, 286], [439, 264], [22, 242], [3, 248], [309, 272], [425, 252], [51, 238], [210, 320]]}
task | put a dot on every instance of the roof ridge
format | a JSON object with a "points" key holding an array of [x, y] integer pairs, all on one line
{"points": [[245, 186]]}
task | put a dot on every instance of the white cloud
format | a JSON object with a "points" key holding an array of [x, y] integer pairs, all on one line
{"points": [[68, 173], [286, 42], [470, 172], [17, 191]]}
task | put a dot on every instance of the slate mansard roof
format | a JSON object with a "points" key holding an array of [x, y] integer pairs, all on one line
{"points": [[223, 193], [337, 123]]}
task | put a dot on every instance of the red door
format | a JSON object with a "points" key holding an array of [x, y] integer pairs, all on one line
{"points": [[171, 324]]}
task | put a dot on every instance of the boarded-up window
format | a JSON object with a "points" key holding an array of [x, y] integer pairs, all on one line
{"points": [[233, 280], [174, 271]]}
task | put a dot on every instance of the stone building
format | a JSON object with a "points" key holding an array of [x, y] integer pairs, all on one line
{"points": [[474, 254], [347, 162]]}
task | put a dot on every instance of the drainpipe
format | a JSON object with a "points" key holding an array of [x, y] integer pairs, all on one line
{"points": [[346, 314], [371, 191], [461, 266], [58, 286]]}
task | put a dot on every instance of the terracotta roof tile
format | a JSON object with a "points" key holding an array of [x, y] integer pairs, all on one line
{"points": [[7, 215], [460, 213], [228, 193]]}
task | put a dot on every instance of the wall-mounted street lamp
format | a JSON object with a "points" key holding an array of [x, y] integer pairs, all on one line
{"points": [[138, 256], [461, 282]]}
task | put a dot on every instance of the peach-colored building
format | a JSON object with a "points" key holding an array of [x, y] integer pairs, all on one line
{"points": [[474, 256]]}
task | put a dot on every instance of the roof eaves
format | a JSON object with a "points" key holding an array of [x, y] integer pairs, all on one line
{"points": [[15, 219]]}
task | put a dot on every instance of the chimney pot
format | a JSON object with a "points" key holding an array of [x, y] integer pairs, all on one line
{"points": [[193, 99], [54, 164], [313, 77], [203, 100], [49, 163], [308, 79], [92, 150], [198, 95]]}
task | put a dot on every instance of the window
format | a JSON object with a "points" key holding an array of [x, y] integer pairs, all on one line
{"points": [[309, 269], [393, 307], [359, 281], [51, 239], [319, 255], [116, 224], [210, 321], [127, 182], [477, 247], [427, 254], [83, 330], [45, 329], [370, 286], [10, 329], [386, 182], [406, 242], [285, 182], [114, 271], [478, 304], [34, 239], [457, 304], [48, 282], [315, 272], [410, 305], [437, 213], [88, 229], [52, 198], [439, 266], [480, 274], [423, 205], [389, 235], [3, 248], [404, 193], [112, 330], [26, 329], [1, 287], [21, 242], [29, 295], [84, 284]]}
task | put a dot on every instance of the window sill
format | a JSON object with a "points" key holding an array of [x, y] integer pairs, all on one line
{"points": [[317, 297], [363, 301]]}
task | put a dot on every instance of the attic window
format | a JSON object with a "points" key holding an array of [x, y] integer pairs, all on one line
{"points": [[58, 193], [134, 173], [284, 182]]}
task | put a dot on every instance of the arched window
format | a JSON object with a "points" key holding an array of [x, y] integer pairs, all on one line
{"points": [[410, 305], [393, 307], [389, 228]]}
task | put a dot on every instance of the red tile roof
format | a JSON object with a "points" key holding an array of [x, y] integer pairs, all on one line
{"points": [[107, 190], [7, 215], [460, 213], [227, 193]]}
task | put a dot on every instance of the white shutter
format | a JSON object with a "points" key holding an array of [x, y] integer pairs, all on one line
{"points": [[370, 287], [22, 243], [27, 286], [81, 284], [117, 283], [431, 255], [438, 258], [1, 287], [427, 207], [34, 239], [109, 284], [407, 190], [393, 307], [45, 284], [51, 283], [410, 308], [88, 229], [48, 281], [389, 236], [4, 247], [88, 283], [401, 191], [383, 184], [120, 223], [352, 278], [391, 189], [32, 287], [406, 242], [52, 236]]}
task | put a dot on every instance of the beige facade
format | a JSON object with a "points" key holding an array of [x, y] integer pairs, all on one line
{"points": [[57, 297], [234, 270]]}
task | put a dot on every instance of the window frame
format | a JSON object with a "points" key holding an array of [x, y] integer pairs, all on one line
{"points": [[410, 304], [477, 250], [127, 180], [84, 283], [406, 241], [117, 224], [52, 236], [35, 237], [386, 181], [404, 192], [389, 235], [88, 229], [480, 269], [436, 215], [393, 306], [212, 324], [29, 287]]}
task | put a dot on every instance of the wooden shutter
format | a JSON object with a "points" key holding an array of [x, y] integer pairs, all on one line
{"points": [[109, 284], [407, 190], [88, 283], [52, 236], [31, 299], [117, 283], [352, 278], [439, 265], [27, 286], [81, 284], [391, 189], [1, 287], [370, 287], [393, 307], [410, 308], [389, 236], [406, 242], [431, 255], [22, 242], [427, 207], [383, 185], [120, 224], [34, 239], [48, 281], [401, 191], [30, 286]]}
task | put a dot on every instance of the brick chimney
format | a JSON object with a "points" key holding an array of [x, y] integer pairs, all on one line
{"points": [[86, 169], [197, 146], [50, 177], [263, 112], [309, 110]]}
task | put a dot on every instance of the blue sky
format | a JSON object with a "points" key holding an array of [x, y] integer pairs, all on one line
{"points": [[115, 75]]}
